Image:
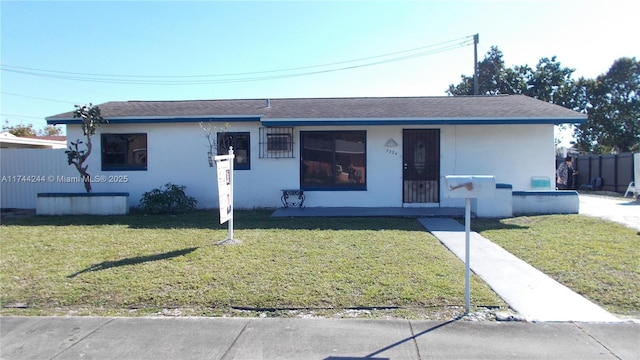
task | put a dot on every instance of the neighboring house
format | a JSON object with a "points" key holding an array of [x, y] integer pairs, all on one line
{"points": [[10, 141], [357, 152], [29, 165]]}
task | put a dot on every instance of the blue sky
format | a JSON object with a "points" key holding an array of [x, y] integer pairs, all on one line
{"points": [[57, 54]]}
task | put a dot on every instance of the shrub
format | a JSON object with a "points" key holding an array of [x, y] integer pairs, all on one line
{"points": [[169, 199]]}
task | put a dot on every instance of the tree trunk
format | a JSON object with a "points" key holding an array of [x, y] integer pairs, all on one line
{"points": [[86, 178]]}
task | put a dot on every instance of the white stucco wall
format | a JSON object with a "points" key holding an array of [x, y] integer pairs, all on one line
{"points": [[511, 153], [177, 153]]}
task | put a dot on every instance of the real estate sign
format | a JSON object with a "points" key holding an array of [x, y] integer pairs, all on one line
{"points": [[224, 190], [224, 166]]}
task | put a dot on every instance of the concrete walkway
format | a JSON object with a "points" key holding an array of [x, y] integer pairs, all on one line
{"points": [[531, 293], [527, 290], [96, 338]]}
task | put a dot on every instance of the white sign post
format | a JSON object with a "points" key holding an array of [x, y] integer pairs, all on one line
{"points": [[467, 187], [224, 166]]}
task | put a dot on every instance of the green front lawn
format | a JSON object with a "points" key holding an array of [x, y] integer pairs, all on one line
{"points": [[139, 264]]}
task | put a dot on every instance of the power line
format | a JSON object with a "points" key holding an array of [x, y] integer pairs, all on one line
{"points": [[22, 116], [463, 41], [242, 77], [39, 98], [134, 81]]}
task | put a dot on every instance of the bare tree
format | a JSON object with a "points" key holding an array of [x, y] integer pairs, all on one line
{"points": [[90, 120]]}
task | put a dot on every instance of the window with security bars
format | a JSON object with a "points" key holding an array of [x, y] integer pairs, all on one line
{"points": [[276, 142]]}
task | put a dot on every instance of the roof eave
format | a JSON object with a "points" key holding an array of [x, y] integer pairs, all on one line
{"points": [[35, 142], [158, 119], [422, 121], [329, 121]]}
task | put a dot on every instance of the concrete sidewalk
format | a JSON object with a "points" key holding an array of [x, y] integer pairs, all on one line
{"points": [[236, 338], [527, 290]]}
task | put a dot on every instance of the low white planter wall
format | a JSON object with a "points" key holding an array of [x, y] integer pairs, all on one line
{"points": [[500, 206], [545, 202], [82, 203]]}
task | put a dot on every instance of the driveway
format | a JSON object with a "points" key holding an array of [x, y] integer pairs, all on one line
{"points": [[625, 211]]}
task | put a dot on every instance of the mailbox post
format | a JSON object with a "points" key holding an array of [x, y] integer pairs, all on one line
{"points": [[468, 187]]}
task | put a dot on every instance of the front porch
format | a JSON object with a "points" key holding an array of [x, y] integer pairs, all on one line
{"points": [[506, 203], [413, 212]]}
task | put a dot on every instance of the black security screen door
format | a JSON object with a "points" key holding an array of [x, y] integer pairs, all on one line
{"points": [[421, 166]]}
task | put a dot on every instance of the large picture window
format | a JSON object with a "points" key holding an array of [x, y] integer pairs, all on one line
{"points": [[240, 142], [333, 160], [124, 152]]}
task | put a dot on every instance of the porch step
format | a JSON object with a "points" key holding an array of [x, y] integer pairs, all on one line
{"points": [[368, 212]]}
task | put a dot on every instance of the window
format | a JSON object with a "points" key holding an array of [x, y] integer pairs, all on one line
{"points": [[241, 149], [124, 152], [333, 160], [276, 142]]}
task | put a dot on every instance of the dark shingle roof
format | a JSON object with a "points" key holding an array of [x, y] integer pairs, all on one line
{"points": [[308, 110]]}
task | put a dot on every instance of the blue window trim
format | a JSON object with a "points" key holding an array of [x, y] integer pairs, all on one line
{"points": [[121, 167], [124, 168], [236, 166], [333, 186]]}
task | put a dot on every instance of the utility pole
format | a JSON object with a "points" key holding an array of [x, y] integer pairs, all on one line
{"points": [[476, 39]]}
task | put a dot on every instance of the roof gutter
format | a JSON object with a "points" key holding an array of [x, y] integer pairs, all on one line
{"points": [[422, 121], [328, 121], [159, 119]]}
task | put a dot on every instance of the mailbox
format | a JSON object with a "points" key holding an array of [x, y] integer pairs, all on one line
{"points": [[470, 186]]}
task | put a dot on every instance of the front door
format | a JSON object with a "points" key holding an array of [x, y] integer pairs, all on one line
{"points": [[421, 163]]}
